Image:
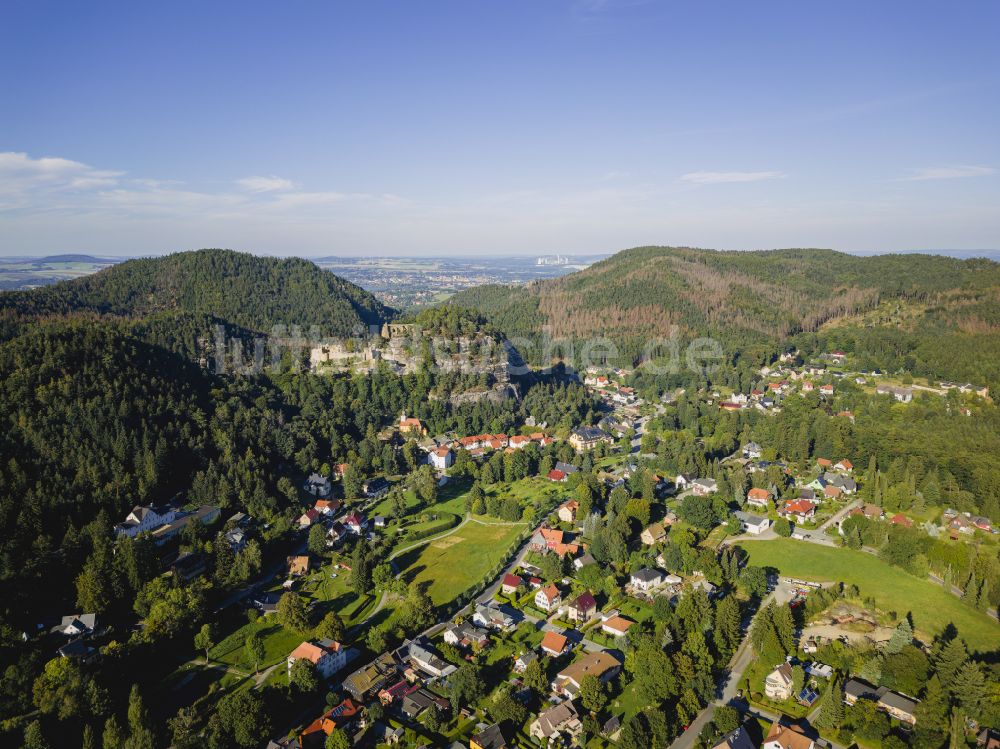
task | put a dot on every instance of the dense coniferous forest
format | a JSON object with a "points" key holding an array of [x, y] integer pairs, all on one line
{"points": [[253, 292], [757, 300]]}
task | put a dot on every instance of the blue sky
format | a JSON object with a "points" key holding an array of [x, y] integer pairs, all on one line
{"points": [[522, 126]]}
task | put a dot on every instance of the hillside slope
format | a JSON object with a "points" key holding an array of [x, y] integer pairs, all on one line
{"points": [[739, 297], [253, 292]]}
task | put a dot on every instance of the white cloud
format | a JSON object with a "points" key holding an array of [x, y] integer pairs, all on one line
{"points": [[20, 173], [719, 178], [265, 184], [947, 172]]}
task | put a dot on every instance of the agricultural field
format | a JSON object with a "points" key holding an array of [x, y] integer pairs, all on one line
{"points": [[931, 607]]}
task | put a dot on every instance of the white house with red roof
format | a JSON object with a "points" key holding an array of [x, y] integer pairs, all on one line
{"points": [[327, 656], [442, 458], [800, 510]]}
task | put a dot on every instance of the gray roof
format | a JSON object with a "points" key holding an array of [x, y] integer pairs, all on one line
{"points": [[551, 719], [647, 575], [738, 739], [896, 700], [80, 621], [859, 688], [590, 433], [749, 519], [566, 468]]}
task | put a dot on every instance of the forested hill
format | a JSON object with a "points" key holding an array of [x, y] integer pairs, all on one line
{"points": [[248, 291], [740, 297]]}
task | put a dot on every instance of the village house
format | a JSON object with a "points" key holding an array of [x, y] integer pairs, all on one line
{"points": [[683, 481], [786, 737], [901, 520], [583, 560], [753, 524], [870, 511], [490, 737], [267, 603], [75, 625], [411, 426], [519, 441], [327, 656], [309, 518], [758, 498], [188, 565], [342, 717], [800, 510], [335, 533], [603, 665], [146, 519], [902, 395], [752, 451], [845, 483], [425, 659], [704, 487], [653, 534], [511, 584], [524, 660], [369, 679], [327, 507], [318, 486], [897, 705], [560, 721], [466, 635], [646, 579], [616, 626], [778, 683], [492, 616], [737, 739], [553, 644], [587, 438], [548, 598], [567, 511], [582, 609], [442, 458], [376, 487], [356, 523]]}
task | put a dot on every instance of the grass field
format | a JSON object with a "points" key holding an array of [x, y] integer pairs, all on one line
{"points": [[457, 562], [931, 607]]}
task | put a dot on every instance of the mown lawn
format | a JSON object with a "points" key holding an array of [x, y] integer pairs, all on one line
{"points": [[931, 607], [454, 564]]}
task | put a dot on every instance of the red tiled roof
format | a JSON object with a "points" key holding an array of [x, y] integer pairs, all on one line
{"points": [[553, 642]]}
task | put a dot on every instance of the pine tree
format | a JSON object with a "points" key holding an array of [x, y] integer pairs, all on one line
{"points": [[140, 733], [969, 688], [784, 628], [983, 599], [932, 712], [971, 593], [902, 637], [956, 734], [953, 656], [112, 738], [727, 626], [831, 714]]}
